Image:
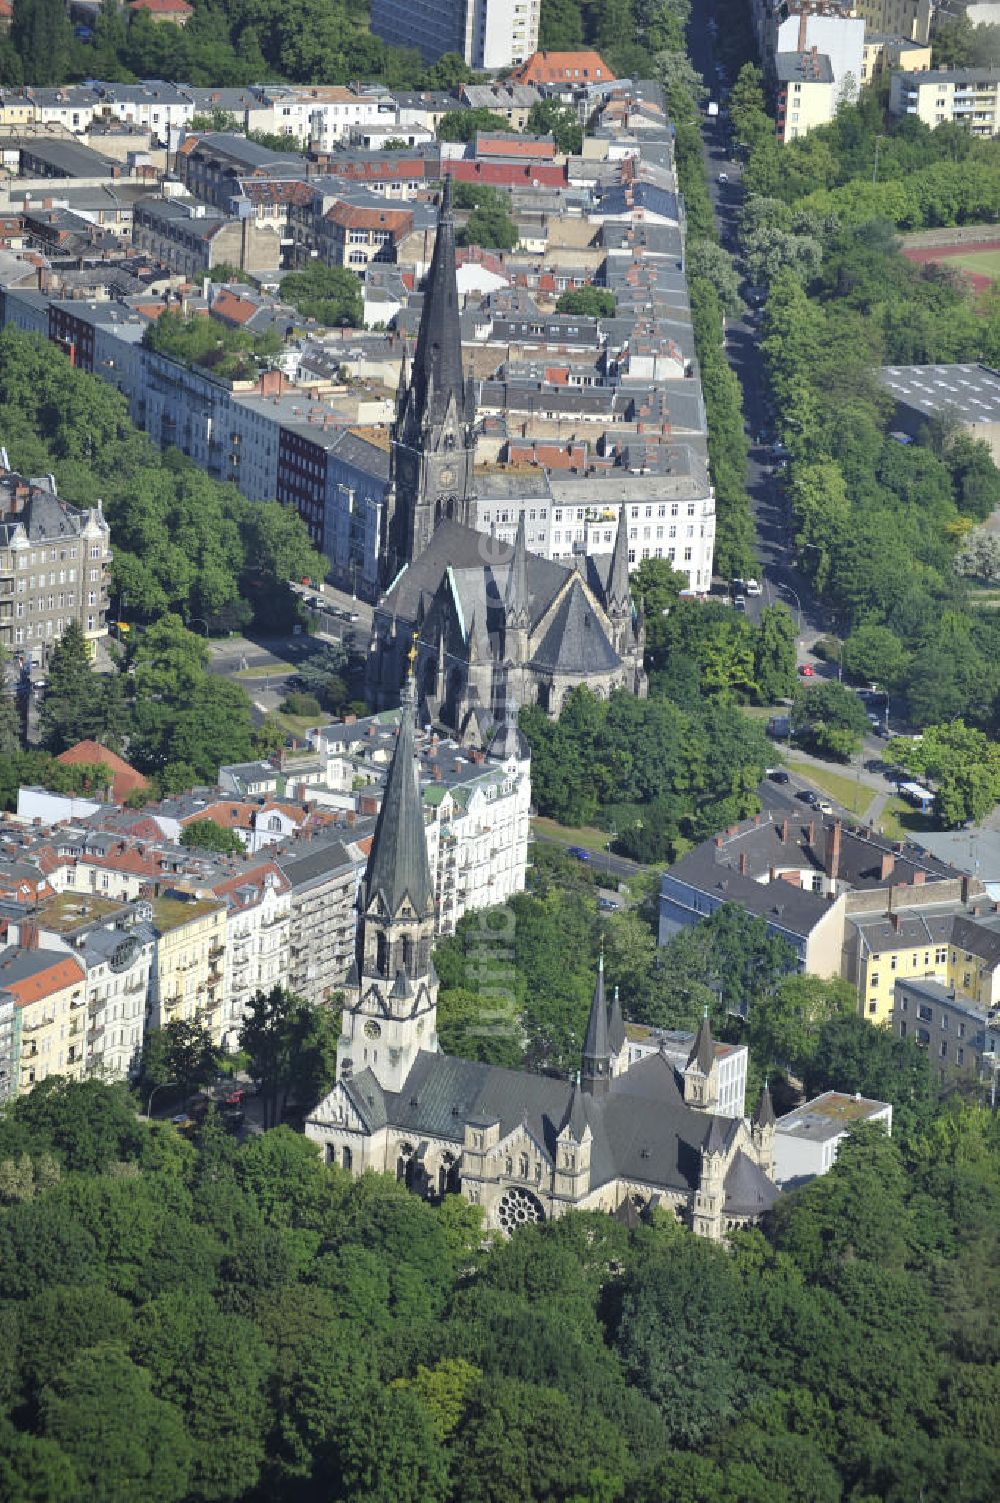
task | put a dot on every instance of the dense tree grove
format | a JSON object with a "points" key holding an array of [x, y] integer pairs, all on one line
{"points": [[182, 542], [199, 1321]]}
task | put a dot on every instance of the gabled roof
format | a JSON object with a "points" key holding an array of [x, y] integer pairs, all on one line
{"points": [[563, 67], [575, 641], [124, 778]]}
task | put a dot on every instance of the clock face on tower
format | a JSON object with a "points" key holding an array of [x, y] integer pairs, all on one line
{"points": [[447, 477]]}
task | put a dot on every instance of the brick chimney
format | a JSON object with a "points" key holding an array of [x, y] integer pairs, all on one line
{"points": [[783, 831], [895, 923], [832, 861], [919, 878], [803, 27], [811, 833], [888, 866], [966, 887], [744, 863]]}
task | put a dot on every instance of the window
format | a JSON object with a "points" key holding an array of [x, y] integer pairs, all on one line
{"points": [[940, 956], [925, 1013], [872, 1005], [944, 1048], [874, 981]]}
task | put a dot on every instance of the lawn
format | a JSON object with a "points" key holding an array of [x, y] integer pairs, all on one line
{"points": [[984, 263], [900, 821], [853, 794], [586, 836]]}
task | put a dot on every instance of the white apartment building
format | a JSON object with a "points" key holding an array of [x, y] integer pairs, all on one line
{"points": [[257, 940], [486, 33], [949, 96], [670, 517]]}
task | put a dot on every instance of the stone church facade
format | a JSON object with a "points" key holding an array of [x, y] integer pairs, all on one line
{"points": [[484, 614], [623, 1138]]}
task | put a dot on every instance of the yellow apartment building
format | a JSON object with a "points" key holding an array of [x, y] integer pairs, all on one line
{"points": [[957, 948], [188, 977], [885, 53], [49, 995], [905, 18], [969, 97]]}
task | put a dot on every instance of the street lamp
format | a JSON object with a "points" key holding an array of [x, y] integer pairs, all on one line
{"points": [[161, 1087], [798, 603]]}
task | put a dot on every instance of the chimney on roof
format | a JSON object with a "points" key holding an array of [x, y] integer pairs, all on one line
{"points": [[783, 831], [966, 886], [887, 867], [719, 842], [744, 863], [895, 923], [919, 878], [811, 832], [803, 25], [833, 838]]}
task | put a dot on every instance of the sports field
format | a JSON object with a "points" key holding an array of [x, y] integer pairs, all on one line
{"points": [[981, 264]]}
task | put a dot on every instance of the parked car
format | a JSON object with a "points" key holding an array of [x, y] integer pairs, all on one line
{"points": [[608, 905], [723, 177], [777, 775], [806, 796], [235, 1097], [823, 806], [579, 852], [740, 602], [753, 586], [183, 1122], [807, 670]]}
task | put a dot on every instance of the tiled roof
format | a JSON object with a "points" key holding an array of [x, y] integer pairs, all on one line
{"points": [[125, 779], [31, 975], [563, 67]]}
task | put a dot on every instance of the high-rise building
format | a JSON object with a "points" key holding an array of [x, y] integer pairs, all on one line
{"points": [[486, 33]]}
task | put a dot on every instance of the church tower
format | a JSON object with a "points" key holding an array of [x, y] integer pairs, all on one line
{"points": [[595, 1075], [391, 1011], [433, 443], [618, 597]]}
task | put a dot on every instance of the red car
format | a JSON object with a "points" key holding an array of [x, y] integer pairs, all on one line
{"points": [[807, 670], [235, 1097]]}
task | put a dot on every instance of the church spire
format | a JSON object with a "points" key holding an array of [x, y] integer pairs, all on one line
{"points": [[764, 1114], [516, 607], [398, 868], [437, 374], [596, 1072], [618, 594]]}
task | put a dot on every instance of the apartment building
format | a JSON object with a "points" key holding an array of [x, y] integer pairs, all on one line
{"points": [[890, 53], [323, 877], [807, 1140], [189, 974], [949, 96], [55, 562], [910, 19], [42, 992], [954, 941], [190, 238], [486, 33], [962, 1038], [257, 940], [805, 94]]}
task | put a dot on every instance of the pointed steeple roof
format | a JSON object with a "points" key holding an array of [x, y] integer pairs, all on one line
{"points": [[616, 1025], [517, 604], [596, 1070], [437, 360], [703, 1053], [764, 1113], [618, 594], [575, 1120], [397, 866]]}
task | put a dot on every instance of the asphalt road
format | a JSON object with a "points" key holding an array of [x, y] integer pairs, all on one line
{"points": [[780, 580]]}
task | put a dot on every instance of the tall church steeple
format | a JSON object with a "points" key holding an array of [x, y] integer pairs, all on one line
{"points": [[516, 603], [433, 444], [595, 1075], [618, 595], [391, 1011]]}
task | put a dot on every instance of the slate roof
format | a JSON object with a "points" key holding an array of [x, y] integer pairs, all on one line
{"points": [[641, 1130], [479, 566], [576, 641], [398, 867], [749, 1192]]}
